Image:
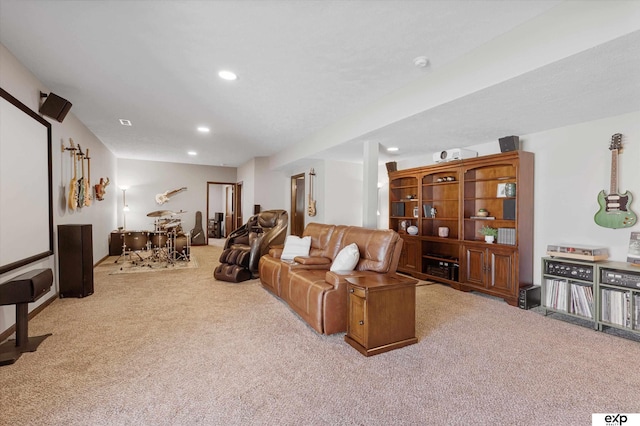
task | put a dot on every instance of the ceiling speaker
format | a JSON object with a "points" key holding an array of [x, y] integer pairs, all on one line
{"points": [[509, 143], [54, 106]]}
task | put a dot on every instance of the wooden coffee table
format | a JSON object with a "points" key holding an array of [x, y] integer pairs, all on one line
{"points": [[381, 313]]}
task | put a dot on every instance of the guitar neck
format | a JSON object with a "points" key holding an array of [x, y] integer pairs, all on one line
{"points": [[614, 172], [175, 191]]}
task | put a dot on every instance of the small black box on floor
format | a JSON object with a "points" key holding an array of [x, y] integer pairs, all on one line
{"points": [[529, 297]]}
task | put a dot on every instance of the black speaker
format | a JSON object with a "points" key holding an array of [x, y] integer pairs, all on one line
{"points": [[54, 106], [509, 143], [509, 209], [529, 297], [75, 260], [392, 166]]}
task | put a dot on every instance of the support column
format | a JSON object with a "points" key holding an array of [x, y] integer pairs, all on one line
{"points": [[370, 185]]}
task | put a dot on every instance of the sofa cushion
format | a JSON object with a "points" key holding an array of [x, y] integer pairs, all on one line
{"points": [[295, 246], [347, 258]]}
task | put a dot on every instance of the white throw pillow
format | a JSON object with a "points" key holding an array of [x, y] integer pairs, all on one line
{"points": [[295, 246], [347, 258]]}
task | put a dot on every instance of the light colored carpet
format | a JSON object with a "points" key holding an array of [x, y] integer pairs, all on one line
{"points": [[180, 348]]}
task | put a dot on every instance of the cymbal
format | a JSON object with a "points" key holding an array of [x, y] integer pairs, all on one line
{"points": [[160, 213], [181, 212]]}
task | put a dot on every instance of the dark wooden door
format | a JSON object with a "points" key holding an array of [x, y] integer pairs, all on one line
{"points": [[297, 204]]}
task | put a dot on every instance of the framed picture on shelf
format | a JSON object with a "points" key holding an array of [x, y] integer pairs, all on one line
{"points": [[416, 212], [502, 190]]}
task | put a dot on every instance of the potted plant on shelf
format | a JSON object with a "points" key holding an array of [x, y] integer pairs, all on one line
{"points": [[489, 233]]}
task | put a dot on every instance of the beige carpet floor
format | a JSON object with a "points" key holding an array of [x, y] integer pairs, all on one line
{"points": [[180, 348]]}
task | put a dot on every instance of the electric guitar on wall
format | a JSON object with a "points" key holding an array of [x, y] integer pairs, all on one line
{"points": [[614, 208], [163, 198], [73, 185], [81, 186], [87, 183], [311, 210]]}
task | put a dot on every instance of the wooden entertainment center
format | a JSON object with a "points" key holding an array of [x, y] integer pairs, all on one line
{"points": [[449, 203]]}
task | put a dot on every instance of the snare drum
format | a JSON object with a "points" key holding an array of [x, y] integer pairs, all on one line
{"points": [[158, 239], [136, 240]]}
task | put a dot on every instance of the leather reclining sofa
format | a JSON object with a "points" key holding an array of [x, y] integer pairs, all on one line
{"points": [[306, 284]]}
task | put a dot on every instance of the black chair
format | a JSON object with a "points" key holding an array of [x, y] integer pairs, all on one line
{"points": [[246, 245]]}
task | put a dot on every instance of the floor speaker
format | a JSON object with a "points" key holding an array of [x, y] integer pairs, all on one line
{"points": [[509, 143], [75, 260]]}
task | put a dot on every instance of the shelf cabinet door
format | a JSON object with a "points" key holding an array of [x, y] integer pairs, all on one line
{"points": [[475, 271], [502, 270], [410, 255], [491, 268], [357, 310]]}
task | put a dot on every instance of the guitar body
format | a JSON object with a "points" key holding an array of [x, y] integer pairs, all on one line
{"points": [[161, 199], [312, 207], [614, 211], [73, 194]]}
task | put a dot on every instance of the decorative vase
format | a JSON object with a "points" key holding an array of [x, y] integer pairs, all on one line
{"points": [[489, 238], [412, 230]]}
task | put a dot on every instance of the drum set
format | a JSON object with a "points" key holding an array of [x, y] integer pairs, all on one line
{"points": [[166, 243]]}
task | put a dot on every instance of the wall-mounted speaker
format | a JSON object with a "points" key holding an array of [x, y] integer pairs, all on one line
{"points": [[392, 166], [509, 143], [54, 106]]}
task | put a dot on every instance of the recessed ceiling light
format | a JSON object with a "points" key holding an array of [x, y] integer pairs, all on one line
{"points": [[204, 129], [392, 149], [125, 122], [227, 75], [192, 153], [421, 61]]}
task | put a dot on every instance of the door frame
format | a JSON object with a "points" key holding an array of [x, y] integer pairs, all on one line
{"points": [[294, 202], [233, 215]]}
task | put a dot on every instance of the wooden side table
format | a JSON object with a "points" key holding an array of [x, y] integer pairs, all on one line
{"points": [[381, 313]]}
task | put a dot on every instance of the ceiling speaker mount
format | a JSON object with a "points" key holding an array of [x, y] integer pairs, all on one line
{"points": [[54, 106]]}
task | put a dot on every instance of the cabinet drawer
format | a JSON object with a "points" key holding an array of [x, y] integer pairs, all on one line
{"points": [[357, 291]]}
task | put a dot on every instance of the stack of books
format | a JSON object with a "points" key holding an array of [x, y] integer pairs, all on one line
{"points": [[507, 236]]}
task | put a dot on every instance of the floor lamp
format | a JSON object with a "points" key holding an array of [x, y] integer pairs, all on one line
{"points": [[125, 207]]}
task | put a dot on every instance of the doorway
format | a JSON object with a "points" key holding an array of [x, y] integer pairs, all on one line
{"points": [[297, 204], [221, 199]]}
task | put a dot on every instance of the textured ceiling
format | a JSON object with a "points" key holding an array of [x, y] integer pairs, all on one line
{"points": [[303, 66]]}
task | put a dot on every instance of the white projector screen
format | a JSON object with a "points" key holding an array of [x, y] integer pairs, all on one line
{"points": [[26, 200]]}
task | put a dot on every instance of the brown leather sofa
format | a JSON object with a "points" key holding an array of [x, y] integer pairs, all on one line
{"points": [[316, 294], [246, 245]]}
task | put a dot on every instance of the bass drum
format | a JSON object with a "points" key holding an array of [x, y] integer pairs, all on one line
{"points": [[136, 240], [158, 239], [182, 246]]}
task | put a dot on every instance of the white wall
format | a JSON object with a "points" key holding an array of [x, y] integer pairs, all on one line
{"points": [[23, 85], [342, 192], [146, 179], [572, 165]]}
